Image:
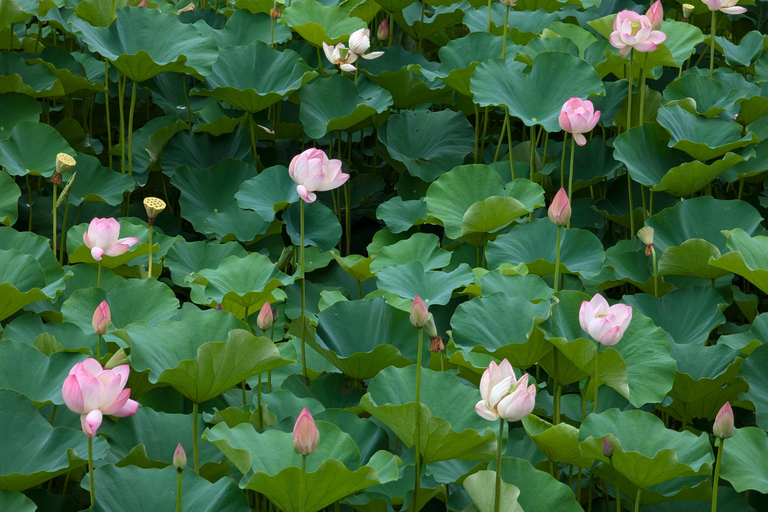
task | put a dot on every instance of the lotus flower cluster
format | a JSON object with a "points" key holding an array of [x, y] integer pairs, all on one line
{"points": [[606, 324], [633, 30], [503, 396], [313, 172], [91, 391], [103, 237], [578, 117], [359, 43]]}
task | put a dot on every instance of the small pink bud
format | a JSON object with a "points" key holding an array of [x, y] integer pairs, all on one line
{"points": [[383, 31], [179, 459], [305, 435], [723, 427], [101, 318], [607, 448], [267, 316], [656, 15], [219, 307], [560, 210], [419, 313]]}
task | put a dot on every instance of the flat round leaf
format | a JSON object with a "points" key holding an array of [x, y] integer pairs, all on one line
{"points": [[419, 247], [318, 23], [753, 371], [245, 27], [434, 287], [97, 183], [539, 491], [400, 215], [187, 258], [744, 457], [267, 193], [321, 226], [32, 149], [747, 257], [17, 108], [709, 95]]}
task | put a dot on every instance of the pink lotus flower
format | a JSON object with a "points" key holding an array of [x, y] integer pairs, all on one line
{"points": [[723, 426], [633, 30], [497, 401], [578, 117], [656, 15], [727, 6], [315, 172], [101, 318], [606, 324], [305, 435], [92, 392], [383, 31], [560, 210], [143, 3], [419, 313], [360, 42], [607, 448], [102, 238], [179, 458], [341, 56], [267, 316]]}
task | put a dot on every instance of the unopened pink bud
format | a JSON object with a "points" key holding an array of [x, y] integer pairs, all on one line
{"points": [[101, 318], [383, 31], [560, 210], [267, 316], [607, 448], [306, 438], [723, 427], [419, 313], [656, 15], [179, 459]]}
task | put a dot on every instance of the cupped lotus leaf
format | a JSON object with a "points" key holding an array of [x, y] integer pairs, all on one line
{"points": [[700, 137], [744, 457], [645, 452], [428, 143], [21, 367], [57, 450], [539, 491], [527, 192], [581, 37], [15, 12], [753, 371], [533, 96], [755, 166], [672, 226], [356, 265], [523, 24], [531, 287], [560, 443], [149, 141], [98, 14], [394, 5], [581, 252], [35, 80], [187, 258], [206, 200], [241, 284], [448, 431], [748, 341], [270, 465], [12, 500], [481, 488], [346, 337], [217, 120], [245, 27], [688, 315], [334, 392], [591, 163], [400, 215], [421, 247], [748, 257], [412, 22], [70, 73], [434, 287], [318, 23], [32, 149], [267, 193], [123, 489], [17, 108], [628, 262], [335, 103], [129, 227], [490, 216], [691, 177], [144, 42], [280, 73], [321, 226], [743, 54], [709, 95], [485, 325], [97, 183], [9, 199]]}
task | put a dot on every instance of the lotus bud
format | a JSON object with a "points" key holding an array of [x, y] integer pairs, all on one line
{"points": [[179, 459], [274, 14], [646, 236], [607, 448], [116, 360], [267, 316], [305, 435], [419, 313], [143, 3], [65, 192], [219, 307], [285, 258], [560, 210], [436, 344], [154, 206], [383, 31], [101, 318], [687, 10], [656, 15], [723, 426]]}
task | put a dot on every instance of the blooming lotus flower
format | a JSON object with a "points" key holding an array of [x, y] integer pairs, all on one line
{"points": [[179, 458], [313, 171], [267, 316], [726, 6], [383, 31], [495, 386], [101, 318], [578, 117], [341, 56], [419, 314], [102, 238], [723, 426], [305, 435], [520, 402], [92, 392], [656, 15], [560, 210], [633, 30], [606, 324], [360, 42]]}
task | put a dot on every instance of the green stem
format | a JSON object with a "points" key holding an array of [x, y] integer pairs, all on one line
{"points": [[597, 376], [489, 16], [90, 471], [712, 49], [63, 232], [501, 138], [348, 212], [121, 105], [570, 174], [130, 128], [98, 348], [509, 144], [55, 225], [150, 252], [477, 130], [258, 404], [637, 499], [504, 42], [417, 431], [421, 28], [562, 160], [252, 127], [629, 124], [53, 414], [557, 260], [31, 203], [392, 28], [642, 89], [532, 165], [178, 491], [717, 473], [106, 106], [98, 277], [301, 482], [655, 273], [195, 438], [497, 500], [629, 94], [485, 130], [186, 96], [359, 290], [556, 394], [303, 296]]}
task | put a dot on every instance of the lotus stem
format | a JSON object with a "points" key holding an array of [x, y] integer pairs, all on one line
{"points": [[562, 160], [63, 232], [712, 49], [509, 144], [557, 393], [485, 130], [98, 348], [501, 138], [489, 16], [391, 28], [477, 130], [301, 482], [504, 41], [55, 227], [629, 94], [186, 94], [130, 128], [53, 414], [29, 192], [258, 403], [597, 376], [421, 28], [717, 473], [557, 261], [642, 89], [121, 104], [497, 499], [655, 273], [570, 175], [532, 165], [90, 471], [150, 251], [348, 211], [252, 126], [178, 491], [629, 124], [637, 499], [98, 276], [195, 437], [417, 430], [303, 297]]}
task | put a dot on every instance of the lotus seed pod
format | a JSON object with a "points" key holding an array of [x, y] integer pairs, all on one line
{"points": [[64, 162], [153, 206]]}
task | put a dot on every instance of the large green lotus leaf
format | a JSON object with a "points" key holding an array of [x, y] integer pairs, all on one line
{"points": [[9, 198], [688, 315], [748, 258], [422, 247], [280, 73], [559, 443], [335, 103], [391, 341], [32, 149], [534, 244], [449, 429], [690, 177], [749, 340], [591, 163], [206, 200], [15, 12], [97, 183], [133, 488], [645, 151], [35, 80], [481, 488], [356, 265], [150, 139], [394, 5], [271, 467], [318, 23], [531, 287], [400, 215], [490, 216], [410, 19], [700, 137], [709, 96], [21, 367], [534, 97], [753, 371], [24, 432], [98, 14], [434, 287], [321, 226], [271, 191], [539, 491], [645, 452], [755, 166], [533, 17], [70, 73], [187, 258], [744, 460], [206, 150], [16, 108], [428, 143], [144, 42], [12, 500], [743, 54], [129, 227], [245, 27], [485, 325], [672, 226]]}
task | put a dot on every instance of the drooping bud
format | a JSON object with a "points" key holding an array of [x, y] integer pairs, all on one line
{"points": [[153, 206], [723, 426], [430, 329], [101, 318], [687, 10], [267, 316], [383, 31], [436, 344], [607, 448], [116, 360], [179, 459], [274, 14], [419, 313], [306, 438], [560, 210]]}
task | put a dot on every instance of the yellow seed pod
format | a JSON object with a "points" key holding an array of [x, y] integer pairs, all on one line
{"points": [[687, 10], [154, 206], [64, 162]]}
